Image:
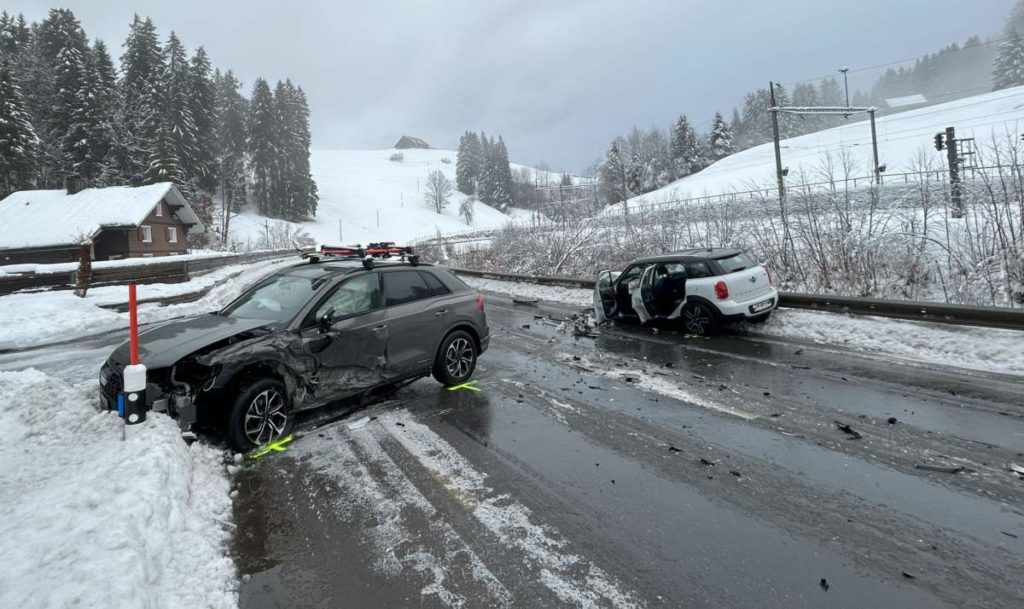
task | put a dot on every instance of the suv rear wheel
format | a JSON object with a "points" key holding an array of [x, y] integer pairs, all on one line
{"points": [[261, 415], [456, 358], [698, 319]]}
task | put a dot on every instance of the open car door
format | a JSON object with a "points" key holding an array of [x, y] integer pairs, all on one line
{"points": [[605, 305], [641, 295]]}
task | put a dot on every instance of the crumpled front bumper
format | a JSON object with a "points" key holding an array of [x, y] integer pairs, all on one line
{"points": [[180, 407]]}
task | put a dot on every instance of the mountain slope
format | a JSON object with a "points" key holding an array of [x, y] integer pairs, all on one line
{"points": [[376, 199], [901, 138]]}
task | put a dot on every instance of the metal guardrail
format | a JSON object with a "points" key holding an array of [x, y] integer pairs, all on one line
{"points": [[936, 312], [158, 272]]}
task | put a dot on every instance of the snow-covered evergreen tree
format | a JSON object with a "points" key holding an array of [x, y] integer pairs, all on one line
{"points": [[174, 117], [720, 144], [466, 163], [1008, 69], [612, 176], [63, 46], [139, 114], [486, 178], [230, 146], [685, 149], [757, 122], [202, 100], [261, 144], [18, 139], [502, 196]]}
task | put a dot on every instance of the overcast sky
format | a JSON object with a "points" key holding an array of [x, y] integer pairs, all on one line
{"points": [[558, 79]]}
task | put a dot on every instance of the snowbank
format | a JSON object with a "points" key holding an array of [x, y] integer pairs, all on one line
{"points": [[984, 349], [67, 267], [94, 521], [30, 320], [551, 293]]}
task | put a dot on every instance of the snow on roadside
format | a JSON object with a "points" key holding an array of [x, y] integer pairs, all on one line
{"points": [[94, 521], [518, 289], [985, 349], [40, 318], [67, 267]]}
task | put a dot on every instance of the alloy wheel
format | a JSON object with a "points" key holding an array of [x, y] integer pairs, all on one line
{"points": [[265, 419], [458, 358]]}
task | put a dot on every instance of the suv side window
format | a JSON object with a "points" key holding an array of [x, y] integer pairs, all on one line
{"points": [[434, 284], [401, 287], [353, 297], [698, 270]]}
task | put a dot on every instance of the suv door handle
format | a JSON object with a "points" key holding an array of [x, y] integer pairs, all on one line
{"points": [[379, 328], [441, 312]]}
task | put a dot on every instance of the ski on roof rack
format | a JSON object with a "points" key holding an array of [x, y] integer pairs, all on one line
{"points": [[382, 249]]}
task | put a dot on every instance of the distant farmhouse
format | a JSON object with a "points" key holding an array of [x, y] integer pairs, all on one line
{"points": [[411, 142], [47, 226]]}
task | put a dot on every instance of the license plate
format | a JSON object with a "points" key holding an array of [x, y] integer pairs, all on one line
{"points": [[761, 306]]}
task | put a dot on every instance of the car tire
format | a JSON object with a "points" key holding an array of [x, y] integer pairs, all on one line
{"points": [[455, 359], [260, 415], [698, 319], [760, 319]]}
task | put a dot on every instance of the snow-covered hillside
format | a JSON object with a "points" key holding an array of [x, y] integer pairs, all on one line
{"points": [[377, 199], [900, 139]]}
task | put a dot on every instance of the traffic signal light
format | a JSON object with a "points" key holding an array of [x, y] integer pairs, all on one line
{"points": [[938, 141]]}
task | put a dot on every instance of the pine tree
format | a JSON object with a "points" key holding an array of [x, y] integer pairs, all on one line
{"points": [[63, 47], [466, 209], [174, 117], [18, 139], [139, 112], [757, 123], [230, 146], [486, 178], [612, 176], [262, 149], [202, 100], [465, 178], [720, 144], [1008, 69], [502, 197], [684, 149]]}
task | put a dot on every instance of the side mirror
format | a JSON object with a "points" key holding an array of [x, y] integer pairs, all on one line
{"points": [[325, 321]]}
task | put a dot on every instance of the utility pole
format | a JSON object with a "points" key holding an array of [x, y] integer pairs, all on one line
{"points": [[778, 174], [846, 84], [955, 193], [874, 147], [340, 238], [775, 139]]}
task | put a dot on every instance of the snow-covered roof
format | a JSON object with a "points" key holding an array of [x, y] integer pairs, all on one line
{"points": [[38, 218]]}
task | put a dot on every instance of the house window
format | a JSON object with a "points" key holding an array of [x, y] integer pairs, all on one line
{"points": [[145, 234], [159, 212], [172, 234]]}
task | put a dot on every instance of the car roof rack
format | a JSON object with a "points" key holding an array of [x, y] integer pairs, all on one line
{"points": [[381, 250]]}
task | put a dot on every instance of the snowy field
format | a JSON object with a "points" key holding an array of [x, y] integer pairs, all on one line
{"points": [[40, 318], [900, 138], [376, 199], [94, 519], [985, 349]]}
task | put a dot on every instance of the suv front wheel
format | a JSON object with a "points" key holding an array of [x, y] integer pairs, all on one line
{"points": [[455, 359], [261, 415]]}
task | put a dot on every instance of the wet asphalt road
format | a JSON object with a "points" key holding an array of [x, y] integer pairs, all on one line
{"points": [[575, 478], [638, 469]]}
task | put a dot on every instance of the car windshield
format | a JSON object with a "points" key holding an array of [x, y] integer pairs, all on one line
{"points": [[735, 263], [277, 298]]}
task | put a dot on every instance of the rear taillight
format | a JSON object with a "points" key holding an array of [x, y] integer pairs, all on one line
{"points": [[480, 302], [769, 273], [721, 290]]}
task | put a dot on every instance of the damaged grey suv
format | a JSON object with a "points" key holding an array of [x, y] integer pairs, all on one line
{"points": [[304, 337]]}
